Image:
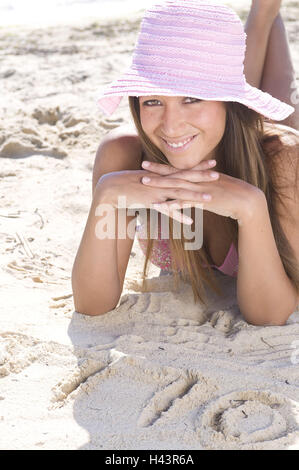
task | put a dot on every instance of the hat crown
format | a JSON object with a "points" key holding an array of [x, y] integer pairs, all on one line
{"points": [[196, 13], [191, 48], [199, 39]]}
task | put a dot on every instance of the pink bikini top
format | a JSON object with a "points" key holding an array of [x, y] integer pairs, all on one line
{"points": [[161, 254]]}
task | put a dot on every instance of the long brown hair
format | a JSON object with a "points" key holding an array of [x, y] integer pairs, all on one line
{"points": [[246, 151]]}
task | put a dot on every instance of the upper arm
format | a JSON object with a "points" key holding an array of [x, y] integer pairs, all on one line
{"points": [[287, 169], [119, 150]]}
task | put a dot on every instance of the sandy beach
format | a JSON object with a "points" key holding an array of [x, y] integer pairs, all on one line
{"points": [[157, 372]]}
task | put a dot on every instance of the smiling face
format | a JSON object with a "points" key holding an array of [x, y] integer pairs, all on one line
{"points": [[187, 130]]}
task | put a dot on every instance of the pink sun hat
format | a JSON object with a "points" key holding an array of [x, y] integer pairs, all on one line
{"points": [[195, 49]]}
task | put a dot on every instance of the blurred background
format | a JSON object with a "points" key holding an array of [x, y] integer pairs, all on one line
{"points": [[64, 11]]}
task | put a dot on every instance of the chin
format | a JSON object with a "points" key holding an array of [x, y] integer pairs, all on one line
{"points": [[183, 163]]}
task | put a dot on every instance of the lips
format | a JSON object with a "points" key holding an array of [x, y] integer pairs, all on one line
{"points": [[178, 146]]}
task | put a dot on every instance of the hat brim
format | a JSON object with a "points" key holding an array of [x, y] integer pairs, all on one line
{"points": [[132, 84]]}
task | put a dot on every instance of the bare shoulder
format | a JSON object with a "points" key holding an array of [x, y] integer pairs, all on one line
{"points": [[120, 149], [122, 139], [288, 135], [288, 154]]}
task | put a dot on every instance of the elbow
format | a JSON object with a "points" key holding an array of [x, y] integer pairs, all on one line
{"points": [[96, 308], [260, 319], [92, 303], [270, 316], [93, 311], [263, 322]]}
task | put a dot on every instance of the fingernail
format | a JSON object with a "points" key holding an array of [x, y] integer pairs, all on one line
{"points": [[206, 197], [187, 221], [145, 164], [214, 174], [145, 179], [212, 162]]}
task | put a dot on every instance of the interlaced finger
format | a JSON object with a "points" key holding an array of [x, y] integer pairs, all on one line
{"points": [[196, 176], [179, 189]]}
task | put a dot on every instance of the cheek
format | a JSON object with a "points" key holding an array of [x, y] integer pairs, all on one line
{"points": [[143, 122], [215, 123], [148, 120]]}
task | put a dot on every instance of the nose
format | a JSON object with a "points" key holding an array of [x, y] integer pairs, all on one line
{"points": [[173, 120]]}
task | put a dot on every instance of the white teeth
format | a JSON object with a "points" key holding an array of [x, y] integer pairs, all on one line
{"points": [[180, 144]]}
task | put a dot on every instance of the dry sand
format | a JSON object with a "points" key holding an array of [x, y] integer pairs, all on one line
{"points": [[157, 372]]}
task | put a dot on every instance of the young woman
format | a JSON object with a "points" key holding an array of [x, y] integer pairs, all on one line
{"points": [[191, 104]]}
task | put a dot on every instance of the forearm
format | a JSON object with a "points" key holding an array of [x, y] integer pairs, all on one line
{"points": [[95, 277], [265, 293]]}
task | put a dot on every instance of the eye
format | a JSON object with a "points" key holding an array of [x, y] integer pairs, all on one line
{"points": [[150, 102], [157, 102], [193, 100]]}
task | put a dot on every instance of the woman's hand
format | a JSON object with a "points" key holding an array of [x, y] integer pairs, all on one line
{"points": [[230, 197], [135, 194]]}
